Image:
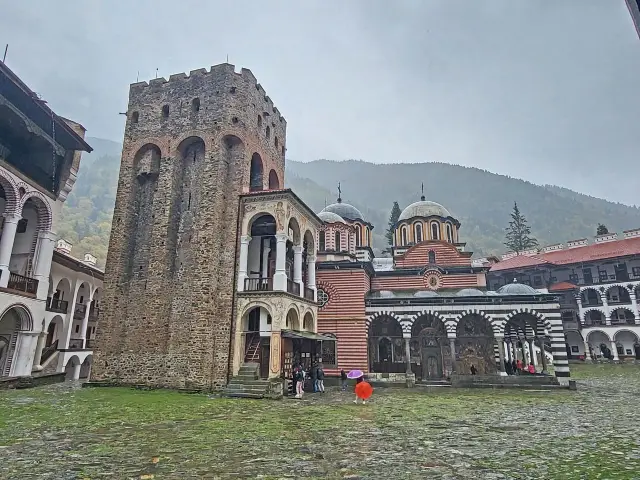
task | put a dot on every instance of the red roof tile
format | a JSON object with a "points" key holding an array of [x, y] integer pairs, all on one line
{"points": [[588, 253], [561, 286]]}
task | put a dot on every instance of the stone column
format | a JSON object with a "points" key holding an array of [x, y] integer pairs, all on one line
{"points": [[37, 359], [452, 346], [524, 351], [509, 357], [275, 354], [63, 340], [614, 350], [587, 354], [244, 259], [607, 311], [6, 246], [297, 267], [634, 306], [76, 371], [580, 312], [543, 355], [280, 276], [407, 350], [501, 345], [532, 352], [44, 256], [311, 276]]}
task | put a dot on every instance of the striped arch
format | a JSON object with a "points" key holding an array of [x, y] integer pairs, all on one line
{"points": [[495, 324], [45, 216], [542, 323], [584, 313], [609, 287], [11, 194], [622, 307], [377, 315]]}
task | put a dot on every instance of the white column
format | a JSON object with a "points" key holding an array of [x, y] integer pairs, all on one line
{"points": [[634, 306], [311, 275], [614, 350], [85, 322], [244, 260], [44, 256], [501, 368], [37, 359], [407, 351], [607, 311], [532, 352], [297, 267], [587, 354], [63, 340], [76, 371], [280, 277], [580, 311], [6, 246]]}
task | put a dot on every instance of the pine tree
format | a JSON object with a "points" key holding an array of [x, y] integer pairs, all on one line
{"points": [[602, 229], [518, 236], [393, 219]]}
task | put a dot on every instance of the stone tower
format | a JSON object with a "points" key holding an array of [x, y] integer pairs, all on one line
{"points": [[192, 146]]}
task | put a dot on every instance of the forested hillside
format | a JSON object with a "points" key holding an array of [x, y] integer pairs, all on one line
{"points": [[481, 200]]}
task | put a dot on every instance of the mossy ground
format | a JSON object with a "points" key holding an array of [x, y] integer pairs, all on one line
{"points": [[64, 432]]}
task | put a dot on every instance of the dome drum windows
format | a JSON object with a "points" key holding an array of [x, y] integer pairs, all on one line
{"points": [[403, 236], [417, 232], [435, 231], [449, 233]]}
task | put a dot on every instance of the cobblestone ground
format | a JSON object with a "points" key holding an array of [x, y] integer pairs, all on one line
{"points": [[64, 432]]}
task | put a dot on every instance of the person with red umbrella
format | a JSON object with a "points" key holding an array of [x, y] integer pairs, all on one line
{"points": [[363, 389]]}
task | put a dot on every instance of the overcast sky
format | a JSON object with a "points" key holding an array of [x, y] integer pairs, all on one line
{"points": [[544, 90]]}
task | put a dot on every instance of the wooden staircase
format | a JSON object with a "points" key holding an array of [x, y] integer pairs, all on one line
{"points": [[252, 350]]}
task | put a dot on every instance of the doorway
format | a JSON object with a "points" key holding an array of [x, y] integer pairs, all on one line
{"points": [[431, 358]]}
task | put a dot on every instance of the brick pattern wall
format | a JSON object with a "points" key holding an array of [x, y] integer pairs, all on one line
{"points": [[169, 289], [446, 255]]}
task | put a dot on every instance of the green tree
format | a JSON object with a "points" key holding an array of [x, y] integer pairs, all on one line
{"points": [[393, 219], [518, 236], [602, 229]]}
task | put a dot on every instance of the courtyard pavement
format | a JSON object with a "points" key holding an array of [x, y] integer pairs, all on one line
{"points": [[64, 432]]}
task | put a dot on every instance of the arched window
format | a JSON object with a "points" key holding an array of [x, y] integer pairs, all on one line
{"points": [[268, 131], [255, 175], [259, 121], [432, 256], [435, 231], [337, 240], [449, 233], [358, 234], [134, 117], [195, 105], [274, 183], [165, 111], [321, 241], [417, 234], [403, 235]]}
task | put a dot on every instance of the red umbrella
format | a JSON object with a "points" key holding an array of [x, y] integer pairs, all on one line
{"points": [[364, 390]]}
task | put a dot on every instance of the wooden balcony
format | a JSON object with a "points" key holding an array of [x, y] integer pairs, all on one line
{"points": [[20, 283], [79, 311], [293, 287], [57, 305], [259, 284], [308, 294]]}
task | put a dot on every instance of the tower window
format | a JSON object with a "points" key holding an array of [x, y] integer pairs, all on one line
{"points": [[165, 111], [135, 116], [432, 257], [275, 141], [435, 231], [418, 232], [195, 105], [358, 235], [403, 235], [321, 241], [259, 121], [338, 241], [268, 132], [449, 233], [283, 150]]}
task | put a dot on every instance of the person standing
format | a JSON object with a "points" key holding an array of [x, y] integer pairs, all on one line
{"points": [[299, 379], [320, 379], [343, 379], [314, 376]]}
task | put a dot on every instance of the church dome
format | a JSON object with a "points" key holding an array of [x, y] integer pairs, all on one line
{"points": [[330, 217], [470, 292], [424, 208], [516, 288], [344, 210]]}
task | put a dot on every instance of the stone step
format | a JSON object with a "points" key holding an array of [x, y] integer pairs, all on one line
{"points": [[248, 386], [256, 383], [246, 378], [243, 395]]}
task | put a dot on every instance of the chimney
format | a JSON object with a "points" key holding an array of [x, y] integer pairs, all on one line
{"points": [[581, 242], [89, 259], [631, 233], [63, 246], [553, 248]]}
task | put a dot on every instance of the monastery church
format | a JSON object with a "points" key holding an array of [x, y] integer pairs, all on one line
{"points": [[215, 272]]}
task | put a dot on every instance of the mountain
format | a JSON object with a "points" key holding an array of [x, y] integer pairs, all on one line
{"points": [[480, 200]]}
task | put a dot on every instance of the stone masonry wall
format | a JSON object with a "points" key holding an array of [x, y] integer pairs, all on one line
{"points": [[169, 279]]}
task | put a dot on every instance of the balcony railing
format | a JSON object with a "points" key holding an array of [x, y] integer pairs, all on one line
{"points": [[57, 305], [89, 343], [75, 344], [260, 284], [308, 293], [22, 283], [94, 313], [79, 311], [293, 287]]}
